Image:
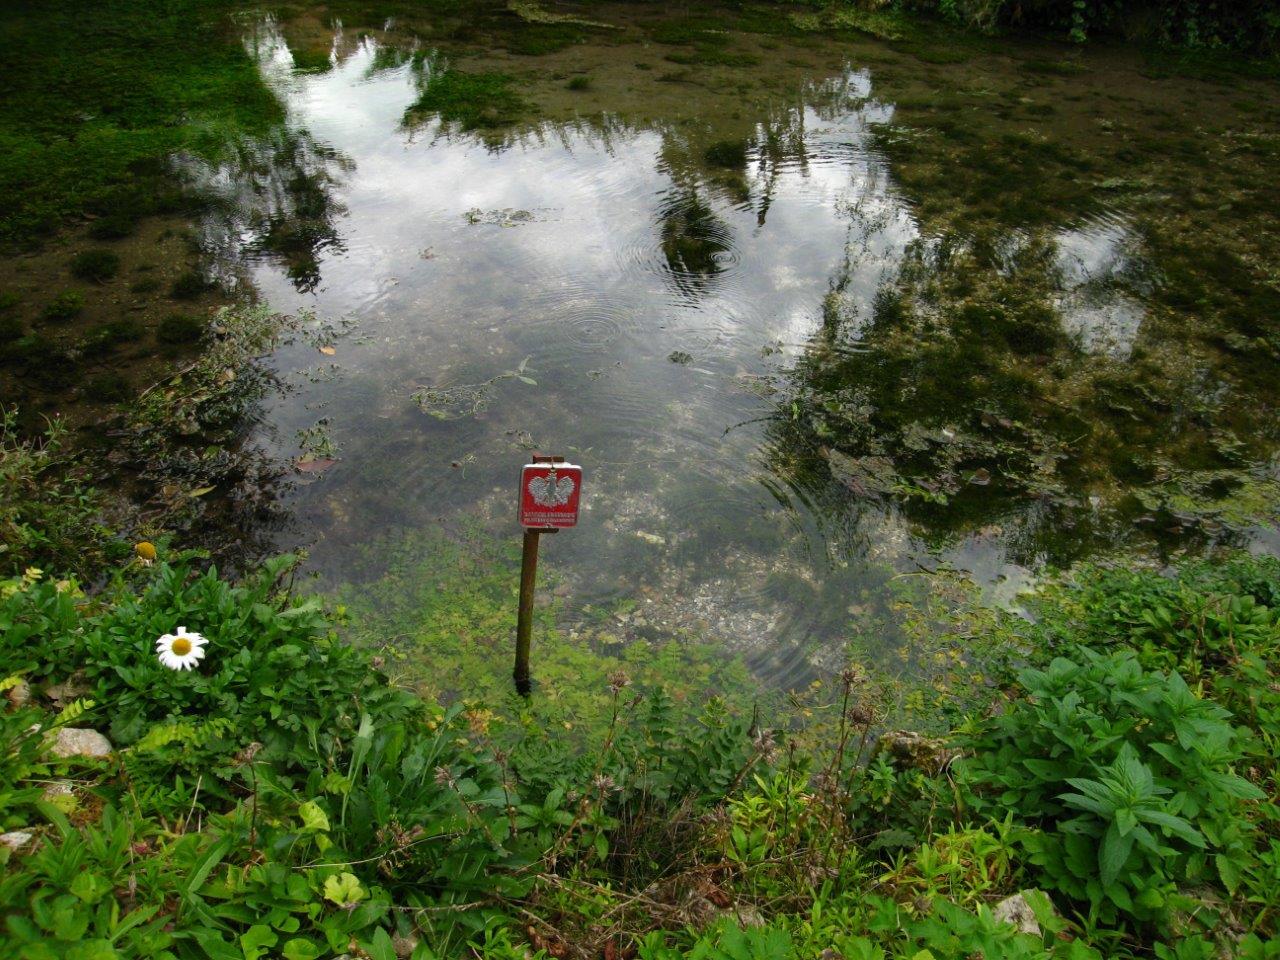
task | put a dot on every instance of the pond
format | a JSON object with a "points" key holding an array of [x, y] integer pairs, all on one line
{"points": [[812, 313]]}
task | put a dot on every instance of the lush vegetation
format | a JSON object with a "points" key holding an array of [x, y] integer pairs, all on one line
{"points": [[1106, 774], [285, 799]]}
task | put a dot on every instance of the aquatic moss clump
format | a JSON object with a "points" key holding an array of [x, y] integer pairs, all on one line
{"points": [[95, 266], [99, 95], [107, 388], [109, 335], [468, 101], [64, 306], [312, 61], [188, 285], [446, 601], [538, 39], [730, 154], [179, 328]]}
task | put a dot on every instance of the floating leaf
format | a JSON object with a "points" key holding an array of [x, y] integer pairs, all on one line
{"points": [[199, 491]]}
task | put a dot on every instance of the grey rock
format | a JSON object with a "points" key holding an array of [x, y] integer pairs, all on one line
{"points": [[63, 693], [80, 742]]}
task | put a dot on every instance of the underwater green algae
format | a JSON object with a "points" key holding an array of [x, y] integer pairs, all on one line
{"points": [[98, 96], [471, 101], [439, 605]]}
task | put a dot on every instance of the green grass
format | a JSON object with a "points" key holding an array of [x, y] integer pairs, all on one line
{"points": [[99, 95]]}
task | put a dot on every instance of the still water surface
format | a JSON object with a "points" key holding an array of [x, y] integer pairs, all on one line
{"points": [[596, 289]]}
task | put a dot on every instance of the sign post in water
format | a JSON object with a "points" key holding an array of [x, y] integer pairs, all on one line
{"points": [[550, 491]]}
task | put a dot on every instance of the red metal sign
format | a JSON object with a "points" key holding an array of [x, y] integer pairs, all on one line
{"points": [[549, 494]]}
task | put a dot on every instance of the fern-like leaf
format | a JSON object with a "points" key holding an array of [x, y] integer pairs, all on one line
{"points": [[73, 711]]}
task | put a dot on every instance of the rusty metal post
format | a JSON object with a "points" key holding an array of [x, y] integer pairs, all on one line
{"points": [[524, 615], [524, 620]]}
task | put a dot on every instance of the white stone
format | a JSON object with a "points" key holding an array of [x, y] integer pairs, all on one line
{"points": [[1015, 910], [80, 742], [16, 839]]}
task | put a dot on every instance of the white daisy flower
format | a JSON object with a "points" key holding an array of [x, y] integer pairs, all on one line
{"points": [[181, 650]]}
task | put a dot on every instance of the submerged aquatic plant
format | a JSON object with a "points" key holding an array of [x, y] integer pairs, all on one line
{"points": [[95, 266], [467, 101]]}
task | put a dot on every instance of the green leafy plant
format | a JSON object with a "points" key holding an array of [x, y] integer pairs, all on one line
{"points": [[50, 519], [1125, 778]]}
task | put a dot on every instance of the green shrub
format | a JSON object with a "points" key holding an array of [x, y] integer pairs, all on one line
{"points": [[114, 226], [1251, 25], [95, 266], [1216, 623], [1125, 778]]}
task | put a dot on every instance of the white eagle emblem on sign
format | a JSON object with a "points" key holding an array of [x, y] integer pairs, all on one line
{"points": [[551, 491]]}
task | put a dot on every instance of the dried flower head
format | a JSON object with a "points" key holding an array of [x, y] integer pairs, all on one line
{"points": [[604, 783], [852, 676], [765, 745], [618, 681], [861, 714], [444, 778], [478, 719], [246, 755]]}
